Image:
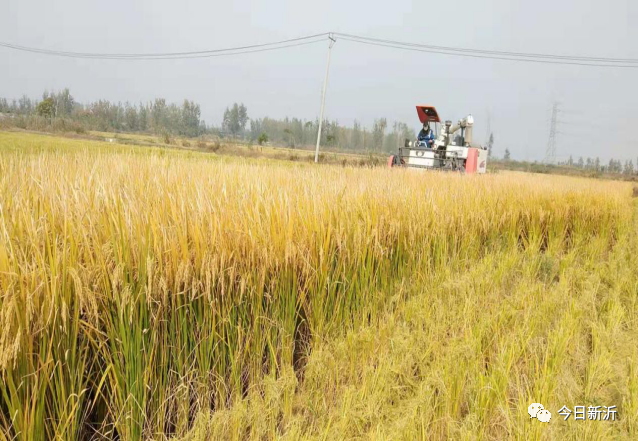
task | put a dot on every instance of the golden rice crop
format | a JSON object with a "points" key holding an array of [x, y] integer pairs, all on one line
{"points": [[141, 287]]}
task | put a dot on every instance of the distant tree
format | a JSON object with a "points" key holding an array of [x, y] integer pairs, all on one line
{"points": [[570, 161], [229, 123], [400, 132], [142, 119], [263, 138], [255, 129], [243, 117], [356, 139], [296, 130], [24, 106], [174, 122], [391, 140], [235, 119], [615, 166], [408, 133], [64, 103], [309, 132], [581, 163], [507, 155], [332, 133], [46, 108], [190, 118], [629, 167], [378, 133], [490, 145], [159, 115], [597, 164], [131, 118], [290, 137]]}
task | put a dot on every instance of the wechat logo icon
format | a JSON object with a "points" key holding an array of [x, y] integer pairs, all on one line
{"points": [[536, 410]]}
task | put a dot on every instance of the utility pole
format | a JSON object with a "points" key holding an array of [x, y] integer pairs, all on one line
{"points": [[331, 42], [550, 154]]}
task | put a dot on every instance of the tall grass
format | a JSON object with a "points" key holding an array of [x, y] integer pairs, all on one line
{"points": [[142, 287]]}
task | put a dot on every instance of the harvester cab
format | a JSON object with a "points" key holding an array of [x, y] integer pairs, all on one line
{"points": [[442, 146]]}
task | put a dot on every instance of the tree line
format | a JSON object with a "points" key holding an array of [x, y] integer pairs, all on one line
{"points": [[294, 132], [161, 117], [613, 166], [590, 166], [157, 116]]}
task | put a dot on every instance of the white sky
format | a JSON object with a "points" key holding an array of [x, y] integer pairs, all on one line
{"points": [[600, 104]]}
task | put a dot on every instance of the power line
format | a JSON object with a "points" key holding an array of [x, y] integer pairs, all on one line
{"points": [[310, 39], [485, 54], [443, 50], [492, 52]]}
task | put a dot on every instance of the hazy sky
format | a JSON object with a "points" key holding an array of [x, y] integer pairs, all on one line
{"points": [[600, 105]]}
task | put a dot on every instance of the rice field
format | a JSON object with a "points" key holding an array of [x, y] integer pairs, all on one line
{"points": [[148, 293]]}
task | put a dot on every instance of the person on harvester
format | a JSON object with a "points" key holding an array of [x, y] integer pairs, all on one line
{"points": [[426, 136]]}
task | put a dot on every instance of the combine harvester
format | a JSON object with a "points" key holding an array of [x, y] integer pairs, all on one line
{"points": [[447, 150]]}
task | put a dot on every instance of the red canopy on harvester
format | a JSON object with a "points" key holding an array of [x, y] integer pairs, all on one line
{"points": [[427, 114]]}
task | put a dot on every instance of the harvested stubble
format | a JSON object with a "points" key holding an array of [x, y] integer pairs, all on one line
{"points": [[141, 287]]}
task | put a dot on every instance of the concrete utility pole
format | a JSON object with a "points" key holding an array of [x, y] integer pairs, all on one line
{"points": [[331, 42]]}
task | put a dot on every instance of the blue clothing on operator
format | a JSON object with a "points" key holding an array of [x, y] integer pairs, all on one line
{"points": [[426, 136]]}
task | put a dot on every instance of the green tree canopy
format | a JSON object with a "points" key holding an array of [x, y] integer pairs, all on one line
{"points": [[46, 108]]}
